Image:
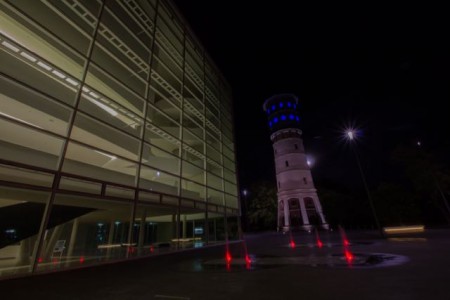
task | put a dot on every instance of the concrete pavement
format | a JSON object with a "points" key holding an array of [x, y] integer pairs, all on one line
{"points": [[278, 271]]}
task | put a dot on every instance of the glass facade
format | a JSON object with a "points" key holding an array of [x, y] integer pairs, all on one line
{"points": [[116, 135]]}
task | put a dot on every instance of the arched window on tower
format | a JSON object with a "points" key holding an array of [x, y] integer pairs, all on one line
{"points": [[296, 146], [287, 163], [305, 181]]}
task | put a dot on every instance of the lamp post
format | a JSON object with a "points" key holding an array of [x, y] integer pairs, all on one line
{"points": [[244, 193], [351, 135], [438, 186]]}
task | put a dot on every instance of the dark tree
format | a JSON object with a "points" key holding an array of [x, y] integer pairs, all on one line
{"points": [[262, 206]]}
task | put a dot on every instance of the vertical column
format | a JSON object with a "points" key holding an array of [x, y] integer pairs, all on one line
{"points": [[287, 220], [303, 211]]}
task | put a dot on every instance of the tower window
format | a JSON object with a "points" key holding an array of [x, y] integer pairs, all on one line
{"points": [[287, 163], [296, 146], [305, 181]]}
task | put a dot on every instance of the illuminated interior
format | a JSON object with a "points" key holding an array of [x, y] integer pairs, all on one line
{"points": [[116, 137]]}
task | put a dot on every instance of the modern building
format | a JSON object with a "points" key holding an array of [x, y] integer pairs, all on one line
{"points": [[116, 135], [298, 204]]}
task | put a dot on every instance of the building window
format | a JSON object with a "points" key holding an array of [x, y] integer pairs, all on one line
{"points": [[305, 181], [296, 146], [287, 163]]}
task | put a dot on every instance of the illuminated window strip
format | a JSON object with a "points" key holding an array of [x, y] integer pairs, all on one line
{"points": [[88, 93], [20, 120], [62, 75]]}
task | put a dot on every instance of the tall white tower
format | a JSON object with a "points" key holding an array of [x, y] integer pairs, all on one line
{"points": [[298, 203]]}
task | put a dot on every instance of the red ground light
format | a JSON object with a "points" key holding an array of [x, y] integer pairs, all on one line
{"points": [[248, 260], [319, 244], [292, 244], [228, 257], [349, 256], [82, 259]]}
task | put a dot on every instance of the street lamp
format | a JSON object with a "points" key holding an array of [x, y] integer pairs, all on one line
{"points": [[244, 193], [351, 135]]}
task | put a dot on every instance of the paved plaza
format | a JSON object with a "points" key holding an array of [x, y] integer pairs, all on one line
{"points": [[277, 267]]}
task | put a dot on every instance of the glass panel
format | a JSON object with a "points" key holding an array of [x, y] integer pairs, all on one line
{"points": [[192, 109], [229, 164], [193, 141], [215, 197], [214, 181], [88, 162], [165, 105], [162, 140], [213, 154], [230, 176], [115, 191], [73, 22], [22, 104], [161, 120], [161, 160], [172, 63], [229, 153], [83, 231], [129, 14], [29, 146], [192, 172], [79, 185], [158, 181], [15, 174], [150, 197], [41, 75], [216, 226], [193, 125], [154, 228], [21, 214], [192, 190], [230, 188], [165, 34], [193, 156], [192, 228], [102, 136], [231, 201], [172, 81], [110, 112], [143, 11], [102, 82], [214, 168]]}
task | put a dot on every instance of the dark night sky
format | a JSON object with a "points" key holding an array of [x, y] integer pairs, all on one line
{"points": [[384, 69]]}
